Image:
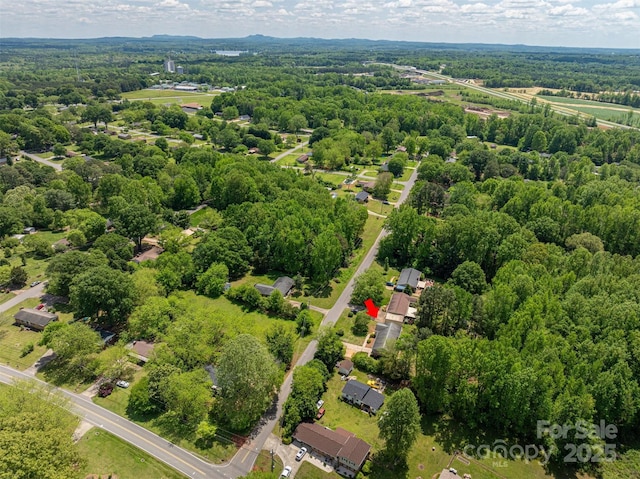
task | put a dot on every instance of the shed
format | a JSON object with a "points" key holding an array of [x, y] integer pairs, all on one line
{"points": [[35, 319], [345, 367], [362, 197]]}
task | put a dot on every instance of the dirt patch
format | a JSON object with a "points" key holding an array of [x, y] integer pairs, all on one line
{"points": [[81, 430]]}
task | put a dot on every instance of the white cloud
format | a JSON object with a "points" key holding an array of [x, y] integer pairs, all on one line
{"points": [[572, 22], [568, 10]]}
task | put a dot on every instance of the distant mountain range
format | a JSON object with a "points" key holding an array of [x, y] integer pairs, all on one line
{"points": [[267, 43]]}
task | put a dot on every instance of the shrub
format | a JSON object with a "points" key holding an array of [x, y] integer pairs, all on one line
{"points": [[28, 348], [364, 363], [360, 324]]}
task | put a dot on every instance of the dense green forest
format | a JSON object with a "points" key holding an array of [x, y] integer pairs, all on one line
{"points": [[529, 224]]}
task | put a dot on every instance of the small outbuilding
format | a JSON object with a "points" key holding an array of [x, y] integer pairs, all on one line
{"points": [[345, 367], [362, 197]]}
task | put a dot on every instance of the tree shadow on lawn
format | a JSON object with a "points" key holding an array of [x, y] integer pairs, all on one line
{"points": [[385, 467], [61, 374], [453, 437]]}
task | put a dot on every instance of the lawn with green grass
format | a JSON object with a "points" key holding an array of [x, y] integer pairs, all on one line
{"points": [[13, 339], [334, 178], [309, 471], [108, 456], [345, 324], [434, 447], [264, 464], [148, 94]]}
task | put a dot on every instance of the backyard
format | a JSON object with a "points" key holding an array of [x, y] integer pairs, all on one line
{"points": [[434, 449]]}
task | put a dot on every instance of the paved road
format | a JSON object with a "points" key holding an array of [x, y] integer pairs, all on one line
{"points": [[244, 460], [288, 152], [178, 458], [55, 166], [149, 442], [34, 292]]}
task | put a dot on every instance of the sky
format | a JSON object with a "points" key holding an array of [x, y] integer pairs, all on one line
{"points": [[576, 23]]}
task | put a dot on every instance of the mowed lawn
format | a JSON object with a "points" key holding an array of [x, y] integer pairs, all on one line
{"points": [[108, 456], [151, 94], [13, 340], [429, 455], [235, 320], [309, 471]]}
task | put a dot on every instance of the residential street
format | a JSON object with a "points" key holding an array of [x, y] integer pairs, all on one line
{"points": [[55, 166], [176, 457], [244, 460], [34, 292]]}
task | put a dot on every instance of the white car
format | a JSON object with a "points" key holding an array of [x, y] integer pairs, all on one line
{"points": [[301, 453], [319, 404], [35, 283], [122, 384], [286, 472]]}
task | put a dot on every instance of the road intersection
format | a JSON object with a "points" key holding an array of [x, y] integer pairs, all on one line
{"points": [[180, 459]]}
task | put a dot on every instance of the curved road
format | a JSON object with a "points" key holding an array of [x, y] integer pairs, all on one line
{"points": [[176, 457]]}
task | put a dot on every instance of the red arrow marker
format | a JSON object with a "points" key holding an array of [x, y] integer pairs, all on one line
{"points": [[372, 309]]}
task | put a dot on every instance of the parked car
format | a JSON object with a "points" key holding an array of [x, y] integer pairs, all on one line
{"points": [[40, 306], [286, 472], [319, 404], [320, 413], [301, 453], [35, 283], [105, 389], [122, 384]]}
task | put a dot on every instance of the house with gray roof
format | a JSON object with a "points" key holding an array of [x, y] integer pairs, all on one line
{"points": [[284, 284], [408, 277], [35, 319], [363, 396], [385, 332], [362, 197]]}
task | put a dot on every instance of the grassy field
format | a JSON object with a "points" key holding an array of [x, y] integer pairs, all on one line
{"points": [[434, 449], [601, 110], [236, 321], [106, 455], [309, 471], [149, 93], [327, 297], [334, 178], [13, 339], [577, 101]]}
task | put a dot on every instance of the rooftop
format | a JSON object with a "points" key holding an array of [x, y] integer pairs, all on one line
{"points": [[408, 277], [399, 303], [338, 443], [385, 332]]}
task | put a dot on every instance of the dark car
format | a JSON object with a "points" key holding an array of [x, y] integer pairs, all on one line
{"points": [[105, 389]]}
